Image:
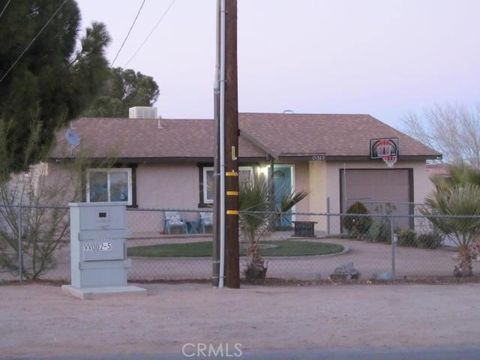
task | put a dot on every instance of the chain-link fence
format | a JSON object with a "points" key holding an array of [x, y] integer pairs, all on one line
{"points": [[177, 244]]}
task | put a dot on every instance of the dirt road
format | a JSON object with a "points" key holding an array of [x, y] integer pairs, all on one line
{"points": [[39, 320]]}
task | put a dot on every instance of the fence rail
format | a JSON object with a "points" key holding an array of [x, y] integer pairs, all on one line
{"points": [[34, 243]]}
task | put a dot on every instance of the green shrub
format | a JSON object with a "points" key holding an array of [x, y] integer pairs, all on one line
{"points": [[379, 230], [431, 240], [357, 226], [407, 237]]}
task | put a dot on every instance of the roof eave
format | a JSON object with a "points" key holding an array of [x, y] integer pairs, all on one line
{"points": [[160, 160], [321, 157]]}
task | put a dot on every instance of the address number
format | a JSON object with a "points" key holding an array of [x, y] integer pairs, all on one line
{"points": [[105, 246]]}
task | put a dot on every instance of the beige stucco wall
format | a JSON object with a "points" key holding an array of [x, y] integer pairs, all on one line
{"points": [[61, 179], [168, 186], [158, 186], [164, 186], [318, 191], [302, 183], [176, 186]]}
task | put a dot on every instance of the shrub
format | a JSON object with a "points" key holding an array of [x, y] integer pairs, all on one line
{"points": [[379, 230], [357, 225], [407, 237], [431, 240]]}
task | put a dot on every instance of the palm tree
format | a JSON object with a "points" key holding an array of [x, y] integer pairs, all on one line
{"points": [[458, 174], [255, 215], [456, 200]]}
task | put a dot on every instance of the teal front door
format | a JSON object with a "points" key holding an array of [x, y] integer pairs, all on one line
{"points": [[282, 184]]}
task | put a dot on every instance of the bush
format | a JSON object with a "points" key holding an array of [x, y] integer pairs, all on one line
{"points": [[407, 237], [379, 230], [357, 226], [431, 240]]}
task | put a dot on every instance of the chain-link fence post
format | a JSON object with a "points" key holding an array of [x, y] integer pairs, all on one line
{"points": [[394, 244], [20, 245], [328, 215]]}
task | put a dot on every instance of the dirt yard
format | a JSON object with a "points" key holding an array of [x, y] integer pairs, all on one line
{"points": [[39, 320]]}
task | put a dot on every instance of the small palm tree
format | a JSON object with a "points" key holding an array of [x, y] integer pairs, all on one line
{"points": [[459, 174], [255, 215], [457, 200]]}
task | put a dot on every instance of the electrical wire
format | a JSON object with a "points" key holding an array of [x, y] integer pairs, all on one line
{"points": [[150, 33], [33, 40], [5, 7], [129, 31]]}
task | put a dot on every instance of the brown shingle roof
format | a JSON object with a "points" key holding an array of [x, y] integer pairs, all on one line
{"points": [[333, 135], [281, 135], [144, 138]]}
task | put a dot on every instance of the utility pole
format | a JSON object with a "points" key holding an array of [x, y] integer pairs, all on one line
{"points": [[232, 267], [226, 247]]}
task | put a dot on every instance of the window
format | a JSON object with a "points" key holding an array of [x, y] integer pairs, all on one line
{"points": [[208, 185], [109, 185], [245, 176]]}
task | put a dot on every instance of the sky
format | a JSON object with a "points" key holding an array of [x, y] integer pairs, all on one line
{"points": [[380, 57]]}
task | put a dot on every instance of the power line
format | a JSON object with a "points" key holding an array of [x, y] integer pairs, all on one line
{"points": [[151, 32], [129, 31], [33, 40], [5, 7]]}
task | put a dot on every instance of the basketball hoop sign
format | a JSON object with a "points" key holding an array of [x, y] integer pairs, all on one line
{"points": [[385, 149]]}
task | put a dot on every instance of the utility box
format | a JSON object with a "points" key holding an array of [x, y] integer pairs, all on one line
{"points": [[98, 249]]}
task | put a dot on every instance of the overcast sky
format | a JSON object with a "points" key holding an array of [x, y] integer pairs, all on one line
{"points": [[381, 57]]}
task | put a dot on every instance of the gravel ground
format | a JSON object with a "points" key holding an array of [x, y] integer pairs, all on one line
{"points": [[39, 320]]}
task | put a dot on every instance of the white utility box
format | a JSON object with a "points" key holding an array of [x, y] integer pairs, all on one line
{"points": [[98, 252]]}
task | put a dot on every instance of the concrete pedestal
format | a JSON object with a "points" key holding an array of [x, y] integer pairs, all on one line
{"points": [[101, 292]]}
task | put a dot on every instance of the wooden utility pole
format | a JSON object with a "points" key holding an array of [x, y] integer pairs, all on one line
{"points": [[226, 267], [232, 266]]}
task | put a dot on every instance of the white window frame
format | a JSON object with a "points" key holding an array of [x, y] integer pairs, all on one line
{"points": [[108, 171], [205, 185]]}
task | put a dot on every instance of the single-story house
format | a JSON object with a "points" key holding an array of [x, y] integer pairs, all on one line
{"points": [[168, 163]]}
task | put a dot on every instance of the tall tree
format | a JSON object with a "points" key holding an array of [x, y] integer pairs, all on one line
{"points": [[453, 130], [124, 88], [51, 83]]}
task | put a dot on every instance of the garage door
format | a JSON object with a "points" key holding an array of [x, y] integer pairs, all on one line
{"points": [[377, 187]]}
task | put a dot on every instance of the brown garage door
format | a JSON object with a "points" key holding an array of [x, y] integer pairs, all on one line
{"points": [[375, 188]]}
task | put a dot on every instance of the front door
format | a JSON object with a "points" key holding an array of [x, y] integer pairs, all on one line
{"points": [[282, 185]]}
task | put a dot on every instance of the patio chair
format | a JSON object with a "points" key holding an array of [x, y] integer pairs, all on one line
{"points": [[206, 219], [174, 220]]}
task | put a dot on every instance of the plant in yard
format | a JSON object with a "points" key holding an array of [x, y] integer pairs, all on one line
{"points": [[357, 226], [34, 217], [429, 240], [31, 215], [407, 237], [255, 214], [461, 206], [380, 229], [254, 204]]}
